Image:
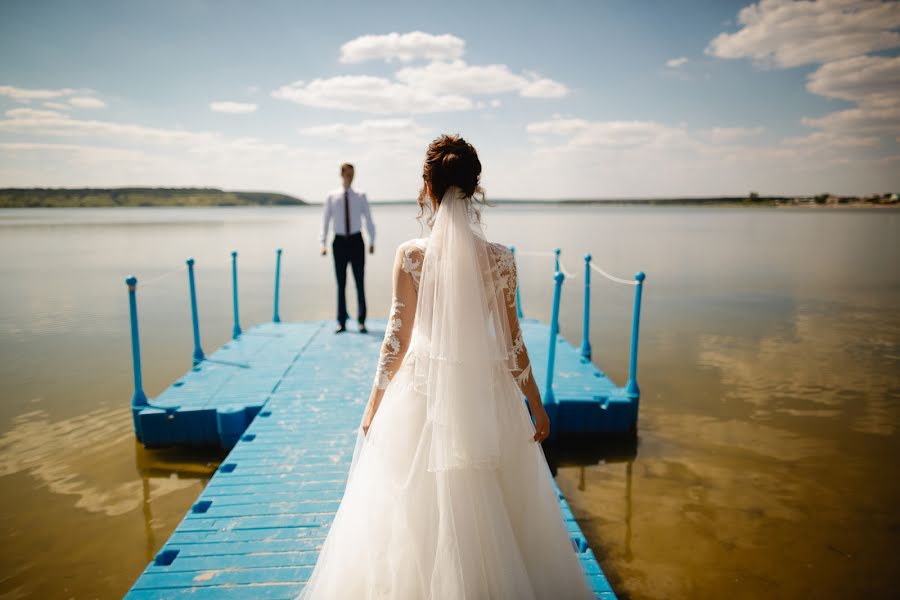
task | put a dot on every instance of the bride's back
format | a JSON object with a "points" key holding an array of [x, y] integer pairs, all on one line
{"points": [[413, 258]]}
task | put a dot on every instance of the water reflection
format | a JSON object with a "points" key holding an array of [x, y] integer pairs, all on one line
{"points": [[71, 457], [832, 361], [775, 486], [89, 464]]}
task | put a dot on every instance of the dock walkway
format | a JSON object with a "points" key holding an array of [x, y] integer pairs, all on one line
{"points": [[287, 398]]}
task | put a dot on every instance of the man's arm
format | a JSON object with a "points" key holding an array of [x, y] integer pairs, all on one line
{"points": [[370, 225], [326, 221]]}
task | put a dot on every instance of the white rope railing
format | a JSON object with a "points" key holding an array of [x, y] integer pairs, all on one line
{"points": [[565, 271], [613, 277], [571, 275], [153, 280]]}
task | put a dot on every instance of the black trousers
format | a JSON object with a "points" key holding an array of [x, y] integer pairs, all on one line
{"points": [[349, 249]]}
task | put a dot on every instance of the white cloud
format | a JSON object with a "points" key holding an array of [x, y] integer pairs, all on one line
{"points": [[445, 83], [365, 93], [496, 103], [233, 107], [872, 118], [873, 82], [31, 113], [829, 140], [618, 135], [674, 63], [391, 131], [79, 153], [404, 47], [647, 158], [858, 79], [86, 102], [78, 98], [838, 34], [727, 134], [463, 78], [789, 33], [53, 123], [27, 95], [541, 87]]}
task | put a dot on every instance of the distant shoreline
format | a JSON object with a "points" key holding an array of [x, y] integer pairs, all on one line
{"points": [[209, 197], [136, 196]]}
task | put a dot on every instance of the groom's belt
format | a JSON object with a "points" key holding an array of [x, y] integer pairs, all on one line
{"points": [[341, 235]]}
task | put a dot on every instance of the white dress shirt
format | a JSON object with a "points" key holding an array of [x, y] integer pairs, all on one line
{"points": [[334, 209]]}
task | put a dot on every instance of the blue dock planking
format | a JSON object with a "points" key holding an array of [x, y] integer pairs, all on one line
{"points": [[287, 398]]}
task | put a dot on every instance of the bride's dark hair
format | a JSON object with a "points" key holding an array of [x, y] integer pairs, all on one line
{"points": [[450, 160]]}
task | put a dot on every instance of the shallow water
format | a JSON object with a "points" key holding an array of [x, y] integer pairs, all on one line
{"points": [[769, 370]]}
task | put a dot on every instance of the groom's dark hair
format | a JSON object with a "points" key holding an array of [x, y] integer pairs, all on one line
{"points": [[346, 166]]}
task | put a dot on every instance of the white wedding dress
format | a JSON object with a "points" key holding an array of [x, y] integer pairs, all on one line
{"points": [[448, 495]]}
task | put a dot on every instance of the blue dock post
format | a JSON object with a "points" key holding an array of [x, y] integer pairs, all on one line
{"points": [[234, 286], [518, 298], [556, 260], [586, 329], [632, 387], [198, 351], [549, 398], [139, 398], [276, 318]]}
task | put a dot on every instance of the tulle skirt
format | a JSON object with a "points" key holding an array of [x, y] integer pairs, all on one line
{"points": [[403, 532]]}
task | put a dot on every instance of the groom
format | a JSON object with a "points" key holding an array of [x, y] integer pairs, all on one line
{"points": [[346, 206]]}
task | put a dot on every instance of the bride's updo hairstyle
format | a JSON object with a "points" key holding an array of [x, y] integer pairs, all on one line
{"points": [[450, 160]]}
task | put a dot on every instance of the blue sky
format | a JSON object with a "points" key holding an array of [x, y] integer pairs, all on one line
{"points": [[577, 99]]}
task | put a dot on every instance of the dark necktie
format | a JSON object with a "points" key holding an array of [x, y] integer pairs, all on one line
{"points": [[346, 213]]}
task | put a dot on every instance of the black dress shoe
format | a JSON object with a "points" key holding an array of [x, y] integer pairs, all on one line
{"points": [[340, 329], [362, 328]]}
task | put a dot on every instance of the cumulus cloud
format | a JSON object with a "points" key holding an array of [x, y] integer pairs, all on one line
{"points": [[464, 78], [233, 107], [858, 79], [580, 133], [31, 113], [26, 120], [871, 118], [789, 33], [649, 158], [674, 63], [86, 102], [392, 131], [365, 93], [404, 47], [728, 134], [77, 98], [444, 83], [419, 89], [27, 95], [831, 139], [838, 35]]}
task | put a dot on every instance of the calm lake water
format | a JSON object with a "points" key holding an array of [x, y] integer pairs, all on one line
{"points": [[766, 462]]}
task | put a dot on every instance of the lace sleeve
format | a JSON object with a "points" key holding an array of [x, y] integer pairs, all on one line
{"points": [[403, 311], [506, 265]]}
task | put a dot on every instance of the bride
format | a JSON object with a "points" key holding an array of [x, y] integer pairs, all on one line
{"points": [[449, 495]]}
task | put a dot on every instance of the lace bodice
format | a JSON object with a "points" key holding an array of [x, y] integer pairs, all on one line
{"points": [[407, 272]]}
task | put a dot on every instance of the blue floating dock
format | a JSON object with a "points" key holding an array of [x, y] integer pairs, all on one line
{"points": [[286, 399]]}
